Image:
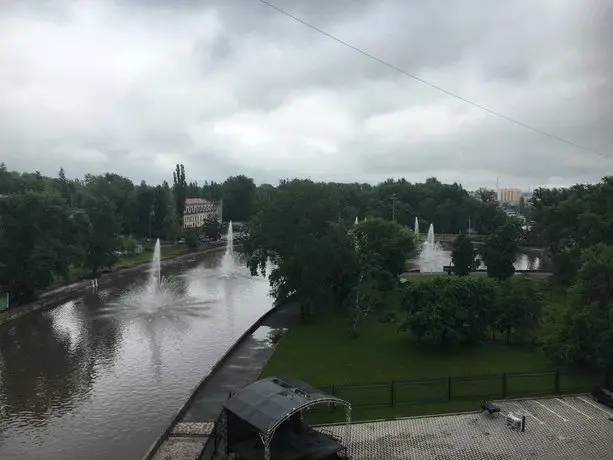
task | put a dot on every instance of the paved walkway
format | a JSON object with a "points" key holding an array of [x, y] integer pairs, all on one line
{"points": [[560, 428], [240, 369]]}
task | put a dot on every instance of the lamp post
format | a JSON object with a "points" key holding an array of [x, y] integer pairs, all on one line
{"points": [[151, 214]]}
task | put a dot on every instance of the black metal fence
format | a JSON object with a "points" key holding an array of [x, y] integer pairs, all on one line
{"points": [[489, 386]]}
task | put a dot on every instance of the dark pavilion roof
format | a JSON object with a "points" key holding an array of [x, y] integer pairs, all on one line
{"points": [[267, 402]]}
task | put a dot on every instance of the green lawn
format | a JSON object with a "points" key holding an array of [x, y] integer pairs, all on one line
{"points": [[323, 354], [387, 369]]}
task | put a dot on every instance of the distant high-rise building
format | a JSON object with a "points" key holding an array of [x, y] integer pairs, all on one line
{"points": [[509, 195]]}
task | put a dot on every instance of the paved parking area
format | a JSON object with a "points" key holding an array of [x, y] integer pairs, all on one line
{"points": [[569, 427]]}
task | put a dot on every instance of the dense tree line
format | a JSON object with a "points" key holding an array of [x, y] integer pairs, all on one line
{"points": [[569, 221], [52, 226], [303, 233]]}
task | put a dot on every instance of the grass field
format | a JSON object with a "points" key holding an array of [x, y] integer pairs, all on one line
{"points": [[322, 353], [385, 368]]}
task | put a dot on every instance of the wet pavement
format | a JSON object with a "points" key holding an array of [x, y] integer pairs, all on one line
{"points": [[569, 427], [242, 367]]}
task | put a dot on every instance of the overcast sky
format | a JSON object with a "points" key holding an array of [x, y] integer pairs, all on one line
{"points": [[233, 87]]}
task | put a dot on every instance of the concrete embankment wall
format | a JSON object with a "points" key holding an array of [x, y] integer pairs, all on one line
{"points": [[218, 364], [56, 297]]}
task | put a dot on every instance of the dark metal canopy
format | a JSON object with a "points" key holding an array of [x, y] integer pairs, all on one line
{"points": [[266, 403]]}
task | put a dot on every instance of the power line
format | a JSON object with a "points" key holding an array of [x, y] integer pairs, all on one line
{"points": [[432, 85]]}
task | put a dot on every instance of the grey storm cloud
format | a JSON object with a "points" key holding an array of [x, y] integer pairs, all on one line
{"points": [[235, 87]]}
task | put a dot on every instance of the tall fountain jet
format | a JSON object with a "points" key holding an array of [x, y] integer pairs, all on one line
{"points": [[155, 274], [430, 238], [356, 221], [416, 227], [228, 258]]}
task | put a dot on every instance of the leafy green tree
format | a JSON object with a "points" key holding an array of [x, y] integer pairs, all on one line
{"points": [[179, 190], [191, 238], [391, 241], [464, 256], [193, 190], [521, 307], [238, 198], [571, 220], [499, 252], [117, 190], [450, 310], [165, 223], [101, 233], [33, 243], [294, 230], [212, 191], [488, 215], [586, 334], [212, 228]]}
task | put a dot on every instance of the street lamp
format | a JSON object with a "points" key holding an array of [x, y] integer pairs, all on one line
{"points": [[151, 214]]}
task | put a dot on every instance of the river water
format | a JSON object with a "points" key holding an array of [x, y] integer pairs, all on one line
{"points": [[102, 375]]}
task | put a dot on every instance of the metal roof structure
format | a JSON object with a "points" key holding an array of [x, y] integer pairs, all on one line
{"points": [[267, 403]]}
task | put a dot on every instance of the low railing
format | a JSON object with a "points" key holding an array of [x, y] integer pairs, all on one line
{"points": [[488, 386]]}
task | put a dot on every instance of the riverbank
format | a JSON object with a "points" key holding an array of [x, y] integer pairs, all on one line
{"points": [[56, 296]]}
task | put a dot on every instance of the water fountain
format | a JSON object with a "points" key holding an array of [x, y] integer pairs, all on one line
{"points": [[356, 221], [432, 257], [430, 238], [155, 273], [227, 263], [416, 228]]}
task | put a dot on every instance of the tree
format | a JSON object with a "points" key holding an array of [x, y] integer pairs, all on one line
{"points": [[33, 242], [100, 234], [521, 306], [571, 220], [391, 241], [450, 310], [179, 189], [212, 228], [238, 198], [464, 256], [488, 215], [367, 293], [586, 334], [212, 191], [295, 230], [499, 252], [191, 238]]}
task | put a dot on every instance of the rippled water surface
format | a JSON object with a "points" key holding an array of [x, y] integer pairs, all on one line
{"points": [[102, 375]]}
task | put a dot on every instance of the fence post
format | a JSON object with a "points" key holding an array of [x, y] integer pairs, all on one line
{"points": [[392, 393], [504, 385], [332, 406], [556, 384], [449, 388]]}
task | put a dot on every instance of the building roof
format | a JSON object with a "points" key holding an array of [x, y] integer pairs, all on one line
{"points": [[196, 201], [266, 403]]}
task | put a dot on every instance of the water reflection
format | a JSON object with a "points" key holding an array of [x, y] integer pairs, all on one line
{"points": [[68, 353], [101, 376], [433, 259]]}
